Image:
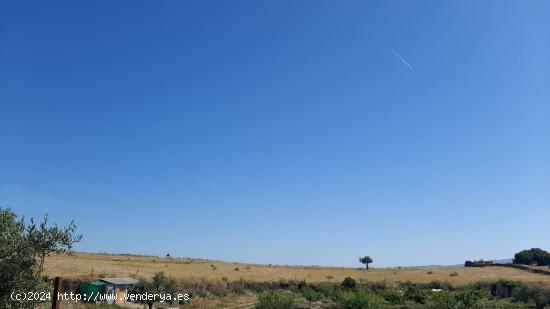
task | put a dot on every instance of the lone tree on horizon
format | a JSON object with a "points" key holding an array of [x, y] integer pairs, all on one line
{"points": [[365, 260]]}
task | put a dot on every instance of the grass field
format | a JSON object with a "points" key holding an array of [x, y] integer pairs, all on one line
{"points": [[86, 266]]}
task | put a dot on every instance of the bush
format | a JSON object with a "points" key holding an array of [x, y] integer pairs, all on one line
{"points": [[453, 274], [537, 295], [238, 289], [463, 299], [301, 285], [359, 299], [328, 290], [349, 283], [274, 300], [311, 295], [443, 300], [415, 294], [393, 297], [470, 298]]}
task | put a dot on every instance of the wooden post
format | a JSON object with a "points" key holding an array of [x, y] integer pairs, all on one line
{"points": [[56, 290]]}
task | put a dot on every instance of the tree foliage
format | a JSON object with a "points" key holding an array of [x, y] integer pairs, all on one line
{"points": [[349, 283], [532, 256], [23, 250], [365, 260], [159, 284]]}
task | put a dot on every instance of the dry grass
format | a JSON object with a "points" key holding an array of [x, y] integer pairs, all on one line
{"points": [[79, 266]]}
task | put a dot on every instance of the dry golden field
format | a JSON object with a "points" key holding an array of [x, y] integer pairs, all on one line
{"points": [[90, 266]]}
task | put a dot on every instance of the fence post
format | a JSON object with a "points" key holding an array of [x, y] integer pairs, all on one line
{"points": [[56, 290]]}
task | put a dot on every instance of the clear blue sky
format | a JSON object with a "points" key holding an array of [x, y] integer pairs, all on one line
{"points": [[292, 132]]}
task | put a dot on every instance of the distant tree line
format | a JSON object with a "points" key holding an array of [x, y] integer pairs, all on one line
{"points": [[533, 256], [477, 263]]}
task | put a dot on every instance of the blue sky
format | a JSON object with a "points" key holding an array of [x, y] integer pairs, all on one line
{"points": [[291, 132]]}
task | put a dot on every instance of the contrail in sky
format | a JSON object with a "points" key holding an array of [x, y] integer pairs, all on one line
{"points": [[401, 58]]}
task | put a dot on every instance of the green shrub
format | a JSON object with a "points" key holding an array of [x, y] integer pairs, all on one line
{"points": [[415, 294], [463, 299], [238, 289], [275, 300], [510, 282], [443, 300], [328, 290], [301, 285], [359, 299], [470, 298], [349, 283], [308, 292], [311, 295], [537, 295], [393, 297]]}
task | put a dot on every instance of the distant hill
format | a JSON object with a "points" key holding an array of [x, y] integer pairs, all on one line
{"points": [[433, 266], [496, 261]]}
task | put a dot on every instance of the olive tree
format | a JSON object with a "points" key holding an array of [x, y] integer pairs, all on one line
{"points": [[23, 250]]}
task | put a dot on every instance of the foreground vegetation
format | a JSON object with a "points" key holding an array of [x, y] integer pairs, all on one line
{"points": [[350, 294], [353, 295], [24, 246]]}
